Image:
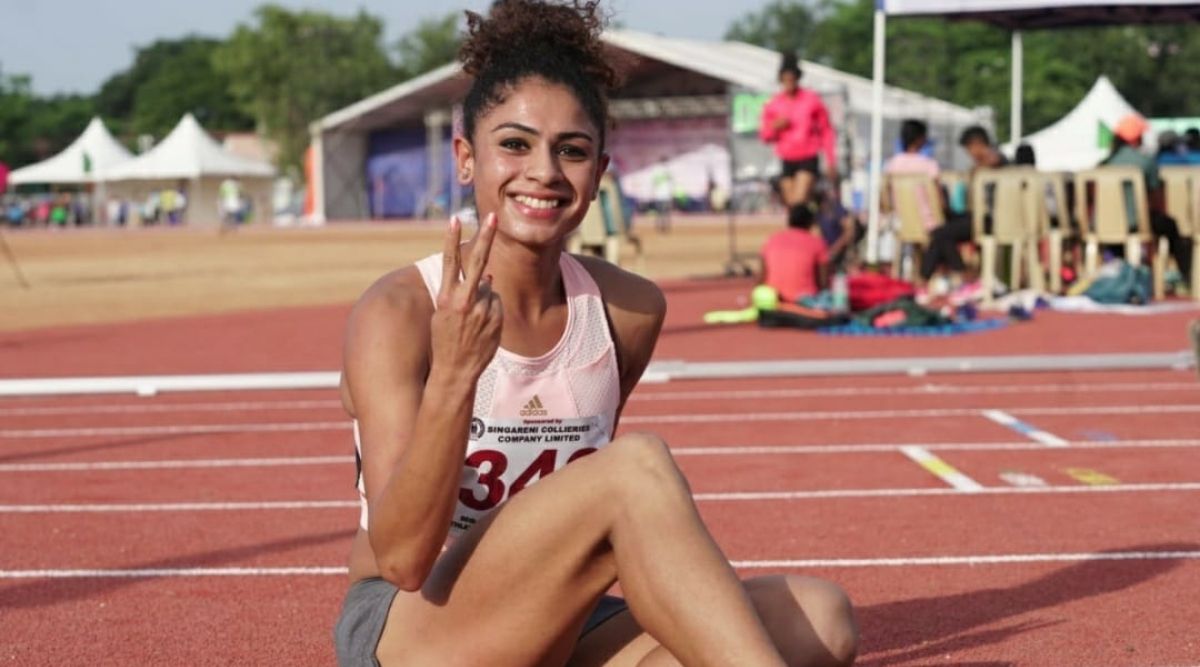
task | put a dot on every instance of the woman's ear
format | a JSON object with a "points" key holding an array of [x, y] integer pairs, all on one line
{"points": [[464, 158]]}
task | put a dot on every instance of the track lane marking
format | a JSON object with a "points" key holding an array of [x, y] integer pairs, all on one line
{"points": [[940, 469], [92, 466], [745, 394], [1028, 430], [682, 452], [321, 426], [743, 496], [901, 561], [874, 447]]}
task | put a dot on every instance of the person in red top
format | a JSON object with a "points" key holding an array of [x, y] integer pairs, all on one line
{"points": [[795, 260], [797, 122]]}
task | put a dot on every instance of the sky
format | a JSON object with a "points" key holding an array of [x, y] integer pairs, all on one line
{"points": [[72, 46]]}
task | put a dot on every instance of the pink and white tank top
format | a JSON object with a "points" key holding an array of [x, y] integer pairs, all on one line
{"points": [[534, 415]]}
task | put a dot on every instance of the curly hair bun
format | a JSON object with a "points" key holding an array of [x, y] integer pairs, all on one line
{"points": [[557, 41], [519, 29]]}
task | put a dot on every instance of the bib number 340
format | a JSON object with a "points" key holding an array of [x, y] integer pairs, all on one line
{"points": [[493, 464]]}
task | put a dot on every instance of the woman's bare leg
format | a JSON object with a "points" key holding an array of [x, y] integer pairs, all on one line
{"points": [[809, 620], [801, 188], [517, 588]]}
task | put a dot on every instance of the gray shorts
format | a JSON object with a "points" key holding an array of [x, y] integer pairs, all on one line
{"points": [[365, 610]]}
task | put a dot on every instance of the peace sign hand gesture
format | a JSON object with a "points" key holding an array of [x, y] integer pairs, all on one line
{"points": [[466, 325]]}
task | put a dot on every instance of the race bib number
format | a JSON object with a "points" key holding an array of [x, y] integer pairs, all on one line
{"points": [[505, 457]]}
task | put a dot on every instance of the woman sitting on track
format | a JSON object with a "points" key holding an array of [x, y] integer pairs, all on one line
{"points": [[461, 404]]}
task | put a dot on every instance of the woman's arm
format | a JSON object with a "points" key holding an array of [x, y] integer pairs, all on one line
{"points": [[771, 123], [411, 373]]}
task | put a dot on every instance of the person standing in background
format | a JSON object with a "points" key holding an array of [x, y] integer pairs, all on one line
{"points": [[796, 121], [664, 191], [230, 204]]}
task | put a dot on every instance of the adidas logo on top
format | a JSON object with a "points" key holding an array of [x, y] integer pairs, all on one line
{"points": [[534, 408]]}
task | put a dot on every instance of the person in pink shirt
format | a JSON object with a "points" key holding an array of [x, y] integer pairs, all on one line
{"points": [[795, 260], [796, 121], [944, 238]]}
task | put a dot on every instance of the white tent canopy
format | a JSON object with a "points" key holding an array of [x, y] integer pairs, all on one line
{"points": [[340, 143], [189, 158], [93, 152], [188, 152], [1015, 15], [1073, 142]]}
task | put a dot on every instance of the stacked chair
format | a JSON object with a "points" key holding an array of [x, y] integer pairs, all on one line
{"points": [[1182, 185], [1100, 207], [604, 231], [1014, 199], [908, 195]]}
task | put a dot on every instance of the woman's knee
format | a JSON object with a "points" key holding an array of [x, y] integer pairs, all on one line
{"points": [[812, 618], [644, 463]]}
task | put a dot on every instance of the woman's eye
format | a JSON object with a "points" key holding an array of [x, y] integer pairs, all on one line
{"points": [[573, 151], [513, 144]]}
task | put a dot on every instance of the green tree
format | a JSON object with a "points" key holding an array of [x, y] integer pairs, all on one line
{"points": [[969, 62], [784, 25], [287, 69], [32, 127], [166, 80], [433, 43]]}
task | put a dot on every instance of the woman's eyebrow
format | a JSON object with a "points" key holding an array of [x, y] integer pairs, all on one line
{"points": [[529, 130]]}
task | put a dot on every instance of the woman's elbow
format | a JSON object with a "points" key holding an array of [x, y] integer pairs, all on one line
{"points": [[407, 574], [404, 565]]}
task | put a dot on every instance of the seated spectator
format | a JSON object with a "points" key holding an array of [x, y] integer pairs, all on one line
{"points": [[1171, 149], [1025, 157], [1191, 141], [795, 260], [978, 144], [942, 252], [1127, 152], [840, 228]]}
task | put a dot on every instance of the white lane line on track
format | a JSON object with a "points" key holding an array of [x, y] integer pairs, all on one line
{"points": [[747, 394], [64, 508], [734, 450], [902, 561], [865, 448], [826, 494], [156, 408], [1028, 430], [178, 429], [903, 414], [997, 559], [90, 466], [155, 573], [919, 390], [942, 470], [292, 427], [943, 491]]}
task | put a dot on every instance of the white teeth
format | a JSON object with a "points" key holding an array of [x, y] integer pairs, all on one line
{"points": [[536, 203]]}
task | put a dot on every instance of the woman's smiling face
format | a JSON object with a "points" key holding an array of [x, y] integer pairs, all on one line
{"points": [[535, 162]]}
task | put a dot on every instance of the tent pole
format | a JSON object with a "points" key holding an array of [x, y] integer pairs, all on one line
{"points": [[876, 156], [1018, 75]]}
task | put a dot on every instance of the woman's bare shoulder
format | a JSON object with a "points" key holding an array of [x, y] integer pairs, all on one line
{"points": [[625, 292], [397, 294]]}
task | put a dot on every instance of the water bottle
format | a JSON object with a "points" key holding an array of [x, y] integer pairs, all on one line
{"points": [[841, 293]]}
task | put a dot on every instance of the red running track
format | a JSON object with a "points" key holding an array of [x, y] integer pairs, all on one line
{"points": [[1098, 565]]}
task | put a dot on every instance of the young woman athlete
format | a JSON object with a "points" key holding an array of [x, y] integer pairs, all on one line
{"points": [[499, 361]]}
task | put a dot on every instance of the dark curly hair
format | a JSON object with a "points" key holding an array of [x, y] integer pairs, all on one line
{"points": [[518, 39]]}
